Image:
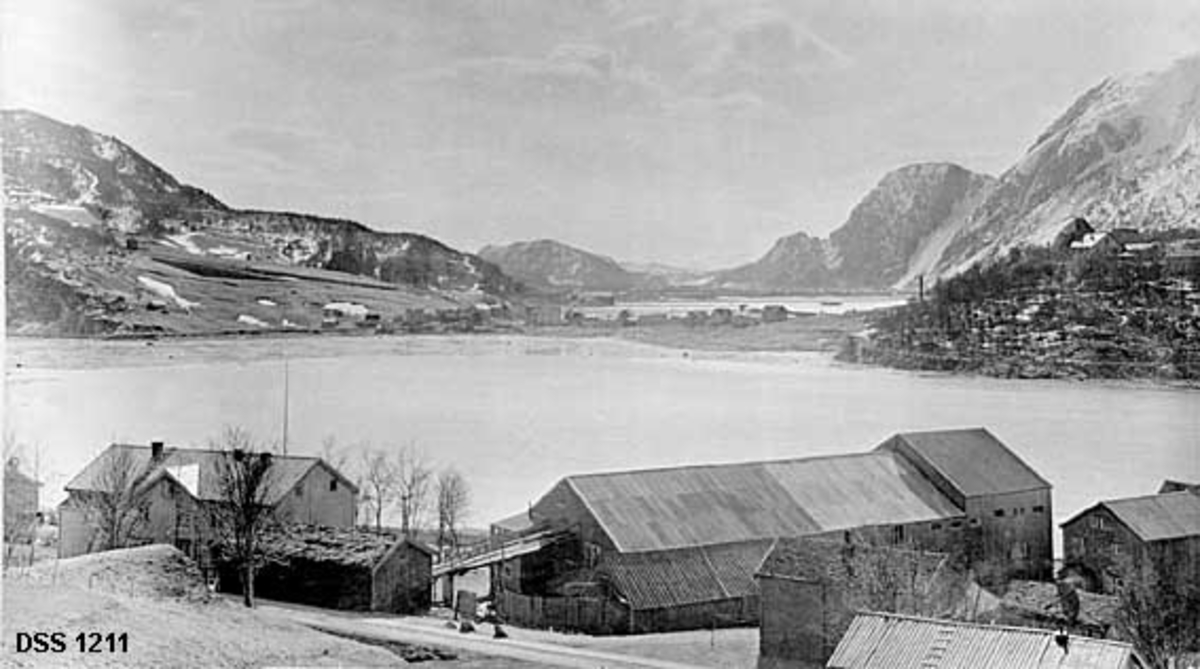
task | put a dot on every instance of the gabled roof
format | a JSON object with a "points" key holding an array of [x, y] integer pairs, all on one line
{"points": [[681, 507], [971, 460], [1171, 515], [341, 545], [663, 579], [826, 560], [888, 641], [196, 470]]}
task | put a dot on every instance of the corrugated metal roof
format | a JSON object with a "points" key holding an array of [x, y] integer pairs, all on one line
{"points": [[691, 506], [663, 579], [287, 469], [973, 460], [886, 641], [857, 490], [662, 509], [1159, 517]]}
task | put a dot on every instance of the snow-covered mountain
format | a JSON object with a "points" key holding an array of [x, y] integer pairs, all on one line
{"points": [[1125, 154]]}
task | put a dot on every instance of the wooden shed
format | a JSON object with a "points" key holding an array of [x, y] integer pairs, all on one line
{"points": [[345, 568]]}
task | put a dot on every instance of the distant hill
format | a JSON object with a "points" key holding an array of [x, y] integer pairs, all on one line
{"points": [[553, 266], [88, 218]]}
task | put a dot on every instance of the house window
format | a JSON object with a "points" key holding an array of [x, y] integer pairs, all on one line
{"points": [[1077, 547], [955, 524], [332, 485], [1116, 550], [898, 534], [999, 513], [1038, 508], [974, 522], [299, 491], [935, 526], [1020, 550], [593, 555]]}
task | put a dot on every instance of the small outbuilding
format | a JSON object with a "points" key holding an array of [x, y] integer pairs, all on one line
{"points": [[346, 568]]}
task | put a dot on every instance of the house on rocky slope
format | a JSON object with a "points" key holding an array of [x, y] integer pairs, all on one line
{"points": [[678, 547], [173, 489], [1118, 538]]}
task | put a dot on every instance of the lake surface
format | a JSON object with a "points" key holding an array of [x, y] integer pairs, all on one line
{"points": [[515, 414]]}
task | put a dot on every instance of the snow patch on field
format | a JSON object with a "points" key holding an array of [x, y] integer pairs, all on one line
{"points": [[184, 241], [266, 303], [250, 320], [165, 291]]}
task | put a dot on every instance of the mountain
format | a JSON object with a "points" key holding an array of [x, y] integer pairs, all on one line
{"points": [[1125, 154], [796, 262], [552, 266], [901, 226], [886, 240], [92, 223]]}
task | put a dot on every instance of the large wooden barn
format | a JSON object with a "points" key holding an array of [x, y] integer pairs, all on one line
{"points": [[677, 548]]}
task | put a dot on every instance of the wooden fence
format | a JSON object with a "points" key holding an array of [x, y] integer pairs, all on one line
{"points": [[592, 615]]}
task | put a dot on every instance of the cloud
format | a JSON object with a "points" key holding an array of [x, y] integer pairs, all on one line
{"points": [[283, 147], [577, 74]]}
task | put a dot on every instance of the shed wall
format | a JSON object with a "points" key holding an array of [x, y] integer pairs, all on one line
{"points": [[403, 581]]}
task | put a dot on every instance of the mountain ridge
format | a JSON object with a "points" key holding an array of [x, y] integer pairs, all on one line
{"points": [[81, 205]]}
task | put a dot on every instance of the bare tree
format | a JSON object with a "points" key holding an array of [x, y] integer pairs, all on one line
{"points": [[245, 483], [118, 504], [1159, 610], [412, 480], [453, 504], [378, 481], [334, 455]]}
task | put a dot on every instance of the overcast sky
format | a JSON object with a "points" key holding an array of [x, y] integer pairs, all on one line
{"points": [[693, 132]]}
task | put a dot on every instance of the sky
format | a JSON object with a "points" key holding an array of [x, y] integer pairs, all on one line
{"points": [[688, 132]]}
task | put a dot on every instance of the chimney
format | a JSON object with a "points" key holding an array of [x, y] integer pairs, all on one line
{"points": [[156, 451]]}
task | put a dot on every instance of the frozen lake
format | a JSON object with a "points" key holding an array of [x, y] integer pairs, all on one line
{"points": [[515, 414]]}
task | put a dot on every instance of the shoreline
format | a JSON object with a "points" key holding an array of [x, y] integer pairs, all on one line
{"points": [[37, 356]]}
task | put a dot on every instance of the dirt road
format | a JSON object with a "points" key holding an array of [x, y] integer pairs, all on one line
{"points": [[479, 642]]}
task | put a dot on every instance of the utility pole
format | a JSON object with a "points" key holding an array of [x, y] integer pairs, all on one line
{"points": [[285, 402]]}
